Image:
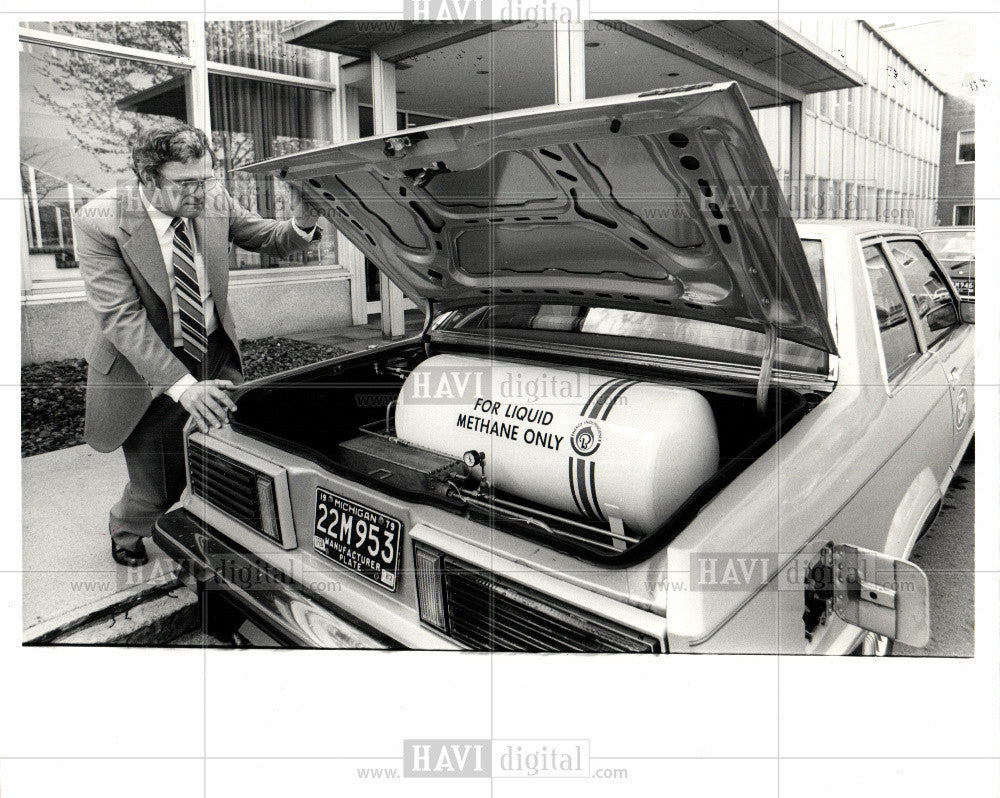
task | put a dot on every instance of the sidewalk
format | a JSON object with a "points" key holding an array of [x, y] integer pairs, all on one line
{"points": [[68, 573], [67, 565]]}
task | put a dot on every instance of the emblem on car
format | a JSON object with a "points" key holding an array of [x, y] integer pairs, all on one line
{"points": [[586, 438], [961, 407]]}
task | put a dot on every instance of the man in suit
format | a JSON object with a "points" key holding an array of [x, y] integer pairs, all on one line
{"points": [[155, 256]]}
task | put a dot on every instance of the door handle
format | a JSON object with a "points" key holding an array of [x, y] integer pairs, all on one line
{"points": [[955, 374]]}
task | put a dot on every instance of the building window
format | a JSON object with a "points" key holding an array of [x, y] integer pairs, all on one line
{"points": [[963, 215], [864, 110], [253, 120], [808, 197], [825, 100], [160, 37], [823, 199], [838, 107], [257, 44], [77, 113], [966, 152], [850, 207]]}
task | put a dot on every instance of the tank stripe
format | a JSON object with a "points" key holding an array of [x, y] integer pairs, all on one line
{"points": [[615, 398], [593, 490], [583, 483], [594, 395], [581, 486], [572, 487], [610, 388]]}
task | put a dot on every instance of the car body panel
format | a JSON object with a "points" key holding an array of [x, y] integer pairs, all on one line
{"points": [[664, 201]]}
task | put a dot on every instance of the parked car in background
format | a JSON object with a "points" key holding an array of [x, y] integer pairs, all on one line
{"points": [[647, 413], [955, 250]]}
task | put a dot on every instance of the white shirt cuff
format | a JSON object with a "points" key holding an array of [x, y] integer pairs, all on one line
{"points": [[306, 235], [176, 390]]}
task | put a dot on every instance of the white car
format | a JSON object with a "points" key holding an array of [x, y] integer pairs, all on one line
{"points": [[647, 413]]}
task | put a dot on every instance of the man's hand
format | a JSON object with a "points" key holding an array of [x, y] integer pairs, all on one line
{"points": [[305, 213], [208, 403]]}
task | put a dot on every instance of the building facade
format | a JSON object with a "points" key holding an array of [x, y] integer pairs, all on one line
{"points": [[853, 129], [868, 152], [946, 51]]}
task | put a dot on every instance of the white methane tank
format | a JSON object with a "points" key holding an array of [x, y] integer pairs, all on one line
{"points": [[591, 445]]}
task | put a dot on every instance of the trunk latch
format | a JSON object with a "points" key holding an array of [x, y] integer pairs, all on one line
{"points": [[398, 146], [395, 146]]}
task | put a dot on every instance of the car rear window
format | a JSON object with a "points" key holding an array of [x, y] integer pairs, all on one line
{"points": [[952, 245], [681, 337]]}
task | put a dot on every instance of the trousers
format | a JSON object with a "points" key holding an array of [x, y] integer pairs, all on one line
{"points": [[154, 451]]}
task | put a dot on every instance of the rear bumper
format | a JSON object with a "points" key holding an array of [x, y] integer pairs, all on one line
{"points": [[267, 596]]}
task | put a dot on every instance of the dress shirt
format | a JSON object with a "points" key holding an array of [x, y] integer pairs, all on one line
{"points": [[165, 236]]}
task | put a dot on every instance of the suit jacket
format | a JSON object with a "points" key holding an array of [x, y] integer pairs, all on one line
{"points": [[129, 356]]}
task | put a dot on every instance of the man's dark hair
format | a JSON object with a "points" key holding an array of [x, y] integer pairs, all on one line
{"points": [[169, 140]]}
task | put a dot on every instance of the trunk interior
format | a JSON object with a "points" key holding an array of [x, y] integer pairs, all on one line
{"points": [[339, 415]]}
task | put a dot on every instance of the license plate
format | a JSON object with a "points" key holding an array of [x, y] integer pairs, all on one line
{"points": [[358, 538], [965, 286]]}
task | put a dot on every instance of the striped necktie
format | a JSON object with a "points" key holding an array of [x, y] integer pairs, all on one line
{"points": [[189, 302]]}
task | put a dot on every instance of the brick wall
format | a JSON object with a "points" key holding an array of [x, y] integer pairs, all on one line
{"points": [[955, 181]]}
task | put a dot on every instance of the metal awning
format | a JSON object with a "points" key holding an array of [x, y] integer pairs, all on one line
{"points": [[394, 39], [768, 58], [777, 49]]}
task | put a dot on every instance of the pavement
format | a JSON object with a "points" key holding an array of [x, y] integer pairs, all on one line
{"points": [[68, 574], [946, 553]]}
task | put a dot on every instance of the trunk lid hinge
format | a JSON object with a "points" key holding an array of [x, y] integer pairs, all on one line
{"points": [[428, 323], [767, 367]]}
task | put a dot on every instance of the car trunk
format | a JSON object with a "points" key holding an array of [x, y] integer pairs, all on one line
{"points": [[339, 415]]}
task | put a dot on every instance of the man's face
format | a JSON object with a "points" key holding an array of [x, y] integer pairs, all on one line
{"points": [[178, 192]]}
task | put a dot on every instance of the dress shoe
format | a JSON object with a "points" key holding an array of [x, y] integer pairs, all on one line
{"points": [[131, 556]]}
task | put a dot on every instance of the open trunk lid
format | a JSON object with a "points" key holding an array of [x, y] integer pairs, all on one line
{"points": [[664, 201]]}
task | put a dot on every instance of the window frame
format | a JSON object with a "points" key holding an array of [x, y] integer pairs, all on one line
{"points": [[954, 215], [926, 345], [895, 378], [958, 146]]}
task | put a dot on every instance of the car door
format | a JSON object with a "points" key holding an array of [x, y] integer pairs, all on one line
{"points": [[918, 414], [938, 321]]}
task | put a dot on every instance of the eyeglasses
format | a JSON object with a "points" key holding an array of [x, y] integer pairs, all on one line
{"points": [[189, 186]]}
